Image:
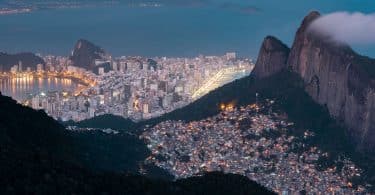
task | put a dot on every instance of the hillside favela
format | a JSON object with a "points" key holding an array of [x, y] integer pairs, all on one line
{"points": [[192, 97]]}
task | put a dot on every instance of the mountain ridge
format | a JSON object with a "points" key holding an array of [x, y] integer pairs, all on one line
{"points": [[28, 60]]}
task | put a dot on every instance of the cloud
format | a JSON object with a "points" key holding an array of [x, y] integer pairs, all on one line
{"points": [[344, 27]]}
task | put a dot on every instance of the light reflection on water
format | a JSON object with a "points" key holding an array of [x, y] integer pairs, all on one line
{"points": [[20, 88]]}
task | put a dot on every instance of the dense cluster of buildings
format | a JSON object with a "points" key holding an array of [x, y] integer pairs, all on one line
{"points": [[252, 141], [136, 87]]}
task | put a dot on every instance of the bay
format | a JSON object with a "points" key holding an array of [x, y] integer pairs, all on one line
{"points": [[212, 28]]}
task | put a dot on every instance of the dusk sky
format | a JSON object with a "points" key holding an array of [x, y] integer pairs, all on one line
{"points": [[190, 27]]}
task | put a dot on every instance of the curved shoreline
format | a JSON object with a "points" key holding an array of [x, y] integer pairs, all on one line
{"points": [[82, 81], [79, 79]]}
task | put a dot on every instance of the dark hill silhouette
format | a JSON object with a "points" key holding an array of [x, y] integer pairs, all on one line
{"points": [[38, 156], [27, 59]]}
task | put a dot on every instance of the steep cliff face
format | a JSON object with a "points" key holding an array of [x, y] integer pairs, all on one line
{"points": [[337, 77], [272, 57], [85, 53], [27, 59]]}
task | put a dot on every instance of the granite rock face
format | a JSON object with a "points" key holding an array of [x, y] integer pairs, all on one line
{"points": [[334, 76], [272, 57], [85, 53], [338, 78]]}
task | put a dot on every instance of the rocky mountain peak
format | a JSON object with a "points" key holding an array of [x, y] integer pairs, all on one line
{"points": [[272, 57], [85, 53], [311, 17], [337, 77], [83, 43], [333, 74], [271, 43]]}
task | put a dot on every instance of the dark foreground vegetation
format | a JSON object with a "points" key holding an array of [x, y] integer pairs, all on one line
{"points": [[38, 156]]}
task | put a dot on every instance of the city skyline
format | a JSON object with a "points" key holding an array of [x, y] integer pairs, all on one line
{"points": [[131, 88]]}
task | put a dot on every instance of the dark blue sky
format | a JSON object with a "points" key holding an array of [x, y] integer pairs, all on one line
{"points": [[181, 28]]}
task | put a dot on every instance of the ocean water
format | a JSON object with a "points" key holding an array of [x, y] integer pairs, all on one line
{"points": [[210, 28], [24, 87]]}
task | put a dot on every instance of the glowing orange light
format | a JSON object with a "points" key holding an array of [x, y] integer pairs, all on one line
{"points": [[222, 106], [229, 107]]}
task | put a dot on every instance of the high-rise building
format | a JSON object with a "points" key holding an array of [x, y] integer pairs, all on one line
{"points": [[35, 102], [143, 82], [122, 67], [14, 69], [231, 55], [101, 70], [20, 66], [127, 93], [114, 66], [163, 86], [39, 67], [154, 86], [91, 112], [145, 108], [167, 101]]}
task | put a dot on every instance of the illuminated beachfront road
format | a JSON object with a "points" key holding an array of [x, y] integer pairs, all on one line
{"points": [[221, 78]]}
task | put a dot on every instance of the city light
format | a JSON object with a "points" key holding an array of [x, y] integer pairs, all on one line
{"points": [[222, 77], [227, 107], [130, 89], [263, 150]]}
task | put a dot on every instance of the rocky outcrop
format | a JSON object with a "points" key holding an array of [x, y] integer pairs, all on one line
{"points": [[85, 53], [27, 60], [334, 76], [337, 77], [272, 57]]}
